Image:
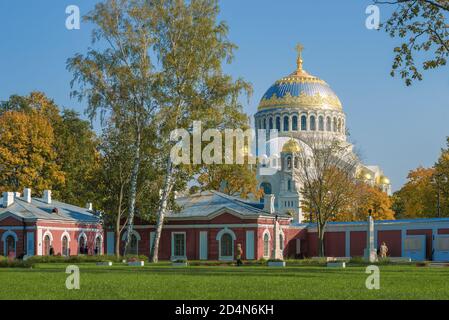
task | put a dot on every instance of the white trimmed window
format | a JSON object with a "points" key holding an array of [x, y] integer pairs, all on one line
{"points": [[178, 245]]}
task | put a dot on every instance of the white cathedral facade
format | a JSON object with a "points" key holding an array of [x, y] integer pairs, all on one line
{"points": [[298, 107]]}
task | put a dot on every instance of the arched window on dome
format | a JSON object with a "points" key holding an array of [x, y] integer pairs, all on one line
{"points": [[328, 124], [289, 185], [304, 123], [335, 124], [312, 123], [265, 123], [278, 123], [295, 123], [270, 124], [321, 123], [286, 123]]}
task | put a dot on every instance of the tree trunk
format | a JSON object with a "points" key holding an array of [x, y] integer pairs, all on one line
{"points": [[118, 223], [133, 192], [117, 238], [168, 185], [320, 227]]}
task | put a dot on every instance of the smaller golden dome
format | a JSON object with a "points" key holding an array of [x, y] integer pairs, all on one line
{"points": [[384, 180], [291, 146]]}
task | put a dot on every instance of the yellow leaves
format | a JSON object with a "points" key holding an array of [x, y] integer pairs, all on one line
{"points": [[26, 152], [365, 200]]}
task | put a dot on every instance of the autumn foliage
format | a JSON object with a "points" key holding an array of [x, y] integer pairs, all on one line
{"points": [[27, 154]]}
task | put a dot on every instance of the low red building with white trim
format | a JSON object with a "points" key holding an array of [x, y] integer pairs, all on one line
{"points": [[209, 226], [40, 226]]}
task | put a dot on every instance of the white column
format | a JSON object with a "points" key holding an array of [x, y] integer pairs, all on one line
{"points": [[348, 243], [403, 237]]}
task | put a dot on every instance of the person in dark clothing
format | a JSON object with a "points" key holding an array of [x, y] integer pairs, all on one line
{"points": [[52, 251], [239, 255]]}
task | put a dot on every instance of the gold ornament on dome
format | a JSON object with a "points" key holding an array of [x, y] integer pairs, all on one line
{"points": [[303, 100]]}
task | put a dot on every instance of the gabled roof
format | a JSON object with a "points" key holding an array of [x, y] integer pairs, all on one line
{"points": [[39, 210], [210, 203]]}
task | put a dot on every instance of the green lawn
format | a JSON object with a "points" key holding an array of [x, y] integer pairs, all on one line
{"points": [[47, 281]]}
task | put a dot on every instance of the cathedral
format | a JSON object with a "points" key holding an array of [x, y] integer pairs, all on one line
{"points": [[298, 107], [212, 225]]}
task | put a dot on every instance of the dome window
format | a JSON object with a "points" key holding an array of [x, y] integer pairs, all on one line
{"points": [[303, 123], [295, 123], [278, 123], [312, 123], [286, 123], [321, 123]]}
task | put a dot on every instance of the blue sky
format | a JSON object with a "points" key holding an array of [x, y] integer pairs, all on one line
{"points": [[396, 127]]}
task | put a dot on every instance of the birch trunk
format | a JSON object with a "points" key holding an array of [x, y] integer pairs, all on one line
{"points": [[168, 185], [133, 193]]}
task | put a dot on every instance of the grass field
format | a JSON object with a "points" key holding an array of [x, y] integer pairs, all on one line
{"points": [[47, 281]]}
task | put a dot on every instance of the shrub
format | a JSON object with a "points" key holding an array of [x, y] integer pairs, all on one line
{"points": [[83, 259], [4, 263], [180, 261]]}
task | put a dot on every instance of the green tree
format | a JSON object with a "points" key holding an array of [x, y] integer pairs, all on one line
{"points": [[422, 25]]}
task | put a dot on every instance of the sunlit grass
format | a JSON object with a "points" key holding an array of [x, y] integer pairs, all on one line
{"points": [[47, 281]]}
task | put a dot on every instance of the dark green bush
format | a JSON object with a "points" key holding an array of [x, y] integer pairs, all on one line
{"points": [[4, 263], [82, 259]]}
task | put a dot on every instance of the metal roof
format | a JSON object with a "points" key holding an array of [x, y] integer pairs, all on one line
{"points": [[39, 210]]}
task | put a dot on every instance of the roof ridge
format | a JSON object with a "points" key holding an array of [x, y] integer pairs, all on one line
{"points": [[238, 201]]}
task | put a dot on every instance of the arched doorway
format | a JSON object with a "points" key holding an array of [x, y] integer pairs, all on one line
{"points": [[82, 244], [134, 245], [226, 247], [65, 246], [10, 245], [98, 246], [47, 245]]}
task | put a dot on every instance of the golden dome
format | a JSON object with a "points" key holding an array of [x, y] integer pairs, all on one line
{"points": [[291, 146], [300, 90], [384, 180]]}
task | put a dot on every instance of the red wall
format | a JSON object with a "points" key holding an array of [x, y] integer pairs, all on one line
{"points": [[358, 243], [334, 244], [392, 239]]}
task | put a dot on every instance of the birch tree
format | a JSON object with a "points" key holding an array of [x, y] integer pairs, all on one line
{"points": [[116, 76], [191, 46]]}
